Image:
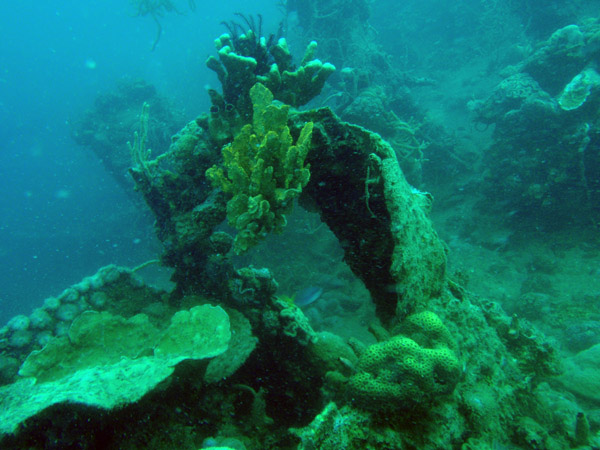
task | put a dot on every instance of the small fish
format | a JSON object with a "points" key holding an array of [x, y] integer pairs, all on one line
{"points": [[307, 296]]}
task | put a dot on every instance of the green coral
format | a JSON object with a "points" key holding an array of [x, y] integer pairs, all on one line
{"points": [[263, 171], [94, 339], [403, 374]]}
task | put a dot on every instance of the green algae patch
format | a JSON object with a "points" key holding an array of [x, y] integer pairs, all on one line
{"points": [[108, 361]]}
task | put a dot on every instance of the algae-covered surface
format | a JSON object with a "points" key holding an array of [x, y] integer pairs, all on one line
{"points": [[373, 226]]}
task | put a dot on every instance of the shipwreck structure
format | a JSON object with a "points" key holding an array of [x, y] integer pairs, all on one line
{"points": [[448, 371]]}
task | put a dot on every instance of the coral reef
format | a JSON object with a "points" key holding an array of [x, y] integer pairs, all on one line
{"points": [[241, 345], [449, 371], [544, 110], [372, 89], [561, 55]]}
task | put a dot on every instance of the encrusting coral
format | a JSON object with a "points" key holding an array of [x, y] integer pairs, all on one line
{"points": [[263, 171]]}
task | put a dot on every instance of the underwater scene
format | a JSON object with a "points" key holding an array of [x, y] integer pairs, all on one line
{"points": [[300, 224]]}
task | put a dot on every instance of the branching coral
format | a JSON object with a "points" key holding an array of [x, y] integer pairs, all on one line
{"points": [[263, 171]]}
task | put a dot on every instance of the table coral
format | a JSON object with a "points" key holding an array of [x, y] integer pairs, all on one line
{"points": [[107, 361]]}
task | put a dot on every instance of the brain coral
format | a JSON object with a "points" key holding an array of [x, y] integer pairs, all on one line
{"points": [[402, 374], [428, 330]]}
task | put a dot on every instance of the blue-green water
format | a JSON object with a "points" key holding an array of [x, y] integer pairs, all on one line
{"points": [[487, 341]]}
